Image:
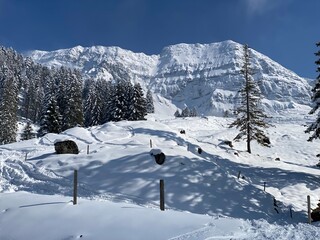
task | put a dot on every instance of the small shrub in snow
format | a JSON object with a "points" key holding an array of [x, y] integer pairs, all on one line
{"points": [[315, 214]]}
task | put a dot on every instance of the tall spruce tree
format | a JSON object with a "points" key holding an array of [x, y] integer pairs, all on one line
{"points": [[117, 102], [96, 102], [149, 99], [140, 103], [315, 126], [28, 132], [8, 105], [185, 112], [72, 114], [106, 97], [91, 107], [130, 102], [50, 121], [51, 118], [251, 119]]}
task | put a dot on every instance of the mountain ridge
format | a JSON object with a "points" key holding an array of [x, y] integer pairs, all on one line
{"points": [[205, 76]]}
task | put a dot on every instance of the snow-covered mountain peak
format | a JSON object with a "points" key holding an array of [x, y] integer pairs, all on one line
{"points": [[197, 54], [205, 76]]}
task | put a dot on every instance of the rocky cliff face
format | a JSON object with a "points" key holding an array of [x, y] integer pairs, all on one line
{"points": [[205, 76]]}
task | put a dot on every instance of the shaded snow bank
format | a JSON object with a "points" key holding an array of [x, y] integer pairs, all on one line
{"points": [[55, 218]]}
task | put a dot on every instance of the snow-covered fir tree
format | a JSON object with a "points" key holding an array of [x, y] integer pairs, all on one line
{"points": [[185, 112], [8, 105], [51, 118], [315, 126], [106, 95], [193, 112], [149, 99], [177, 113], [28, 132], [92, 109], [129, 102], [96, 102], [140, 103], [72, 110], [116, 103], [251, 121]]}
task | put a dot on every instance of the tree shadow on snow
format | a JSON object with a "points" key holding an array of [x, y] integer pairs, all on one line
{"points": [[195, 185]]}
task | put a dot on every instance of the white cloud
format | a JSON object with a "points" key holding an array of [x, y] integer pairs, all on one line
{"points": [[261, 6]]}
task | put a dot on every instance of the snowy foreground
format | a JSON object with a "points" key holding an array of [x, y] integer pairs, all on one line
{"points": [[119, 184]]}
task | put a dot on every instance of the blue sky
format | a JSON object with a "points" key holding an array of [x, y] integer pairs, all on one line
{"points": [[284, 30]]}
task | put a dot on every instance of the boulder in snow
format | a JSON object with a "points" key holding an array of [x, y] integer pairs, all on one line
{"points": [[67, 146], [159, 156]]}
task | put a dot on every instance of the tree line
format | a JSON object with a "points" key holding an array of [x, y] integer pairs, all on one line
{"points": [[57, 99]]}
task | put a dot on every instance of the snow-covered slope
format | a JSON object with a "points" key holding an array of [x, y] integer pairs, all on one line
{"points": [[205, 76], [119, 183]]}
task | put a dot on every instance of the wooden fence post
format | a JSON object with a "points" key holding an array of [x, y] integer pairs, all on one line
{"points": [[87, 149], [309, 209], [25, 157], [264, 186], [150, 143], [75, 186], [239, 174], [290, 212], [161, 195]]}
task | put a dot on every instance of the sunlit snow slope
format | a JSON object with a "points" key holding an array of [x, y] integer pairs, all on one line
{"points": [[119, 183]]}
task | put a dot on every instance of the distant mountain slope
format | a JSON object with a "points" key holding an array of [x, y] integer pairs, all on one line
{"points": [[206, 76]]}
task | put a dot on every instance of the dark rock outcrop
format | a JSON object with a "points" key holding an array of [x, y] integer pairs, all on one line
{"points": [[67, 146]]}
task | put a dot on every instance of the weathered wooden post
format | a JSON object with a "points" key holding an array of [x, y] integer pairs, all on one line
{"points": [[87, 149], [150, 143], [161, 195], [239, 174], [290, 212], [309, 209], [25, 157], [75, 186], [264, 186]]}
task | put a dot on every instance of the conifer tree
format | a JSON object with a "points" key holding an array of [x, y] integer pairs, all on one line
{"points": [[140, 103], [251, 120], [8, 105], [177, 113], [117, 103], [96, 102], [72, 112], [28, 132], [315, 126], [91, 108], [107, 96], [193, 112], [51, 119], [129, 110], [185, 112], [150, 105]]}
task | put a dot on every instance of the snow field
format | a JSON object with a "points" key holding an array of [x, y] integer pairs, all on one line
{"points": [[119, 183]]}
